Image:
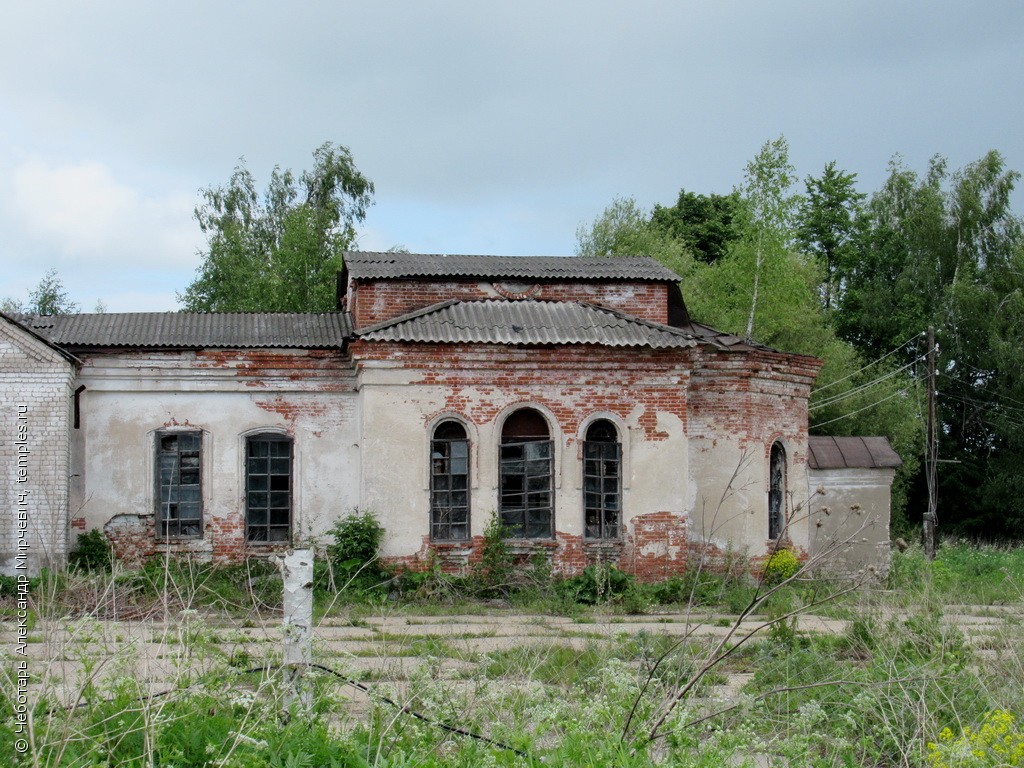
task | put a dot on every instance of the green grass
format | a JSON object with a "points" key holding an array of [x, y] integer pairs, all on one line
{"points": [[877, 693]]}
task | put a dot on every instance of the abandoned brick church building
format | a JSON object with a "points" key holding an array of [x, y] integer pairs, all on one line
{"points": [[574, 398]]}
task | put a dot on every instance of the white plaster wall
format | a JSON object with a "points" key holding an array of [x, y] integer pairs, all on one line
{"points": [[127, 400], [397, 419], [850, 519], [730, 483], [35, 411]]}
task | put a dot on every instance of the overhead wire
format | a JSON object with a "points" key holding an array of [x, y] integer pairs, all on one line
{"points": [[872, 405], [888, 354], [862, 387]]}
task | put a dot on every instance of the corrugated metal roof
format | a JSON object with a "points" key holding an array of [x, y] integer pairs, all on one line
{"points": [[192, 330], [526, 323], [826, 452], [366, 265], [14, 320]]}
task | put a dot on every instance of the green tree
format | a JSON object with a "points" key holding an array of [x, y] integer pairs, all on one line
{"points": [[946, 250], [282, 252], [705, 224], [767, 214], [828, 225], [50, 298], [624, 229], [854, 398]]}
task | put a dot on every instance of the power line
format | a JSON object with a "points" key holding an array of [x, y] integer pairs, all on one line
{"points": [[862, 387], [853, 413], [875, 362]]}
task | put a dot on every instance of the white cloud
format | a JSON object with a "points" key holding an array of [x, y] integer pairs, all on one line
{"points": [[81, 212]]}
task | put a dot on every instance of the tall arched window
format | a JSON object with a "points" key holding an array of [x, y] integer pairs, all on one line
{"points": [[602, 481], [449, 482], [268, 489], [526, 502], [179, 497], [776, 491]]}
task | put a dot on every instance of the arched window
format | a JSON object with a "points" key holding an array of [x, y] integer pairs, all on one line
{"points": [[602, 481], [526, 503], [776, 491], [449, 482], [268, 489]]}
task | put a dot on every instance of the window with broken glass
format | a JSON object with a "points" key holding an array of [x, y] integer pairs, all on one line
{"points": [[777, 491], [449, 483], [179, 480], [268, 489], [602, 481], [527, 470]]}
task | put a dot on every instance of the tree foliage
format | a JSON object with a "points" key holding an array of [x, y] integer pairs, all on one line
{"points": [[855, 281], [279, 252], [946, 250], [49, 297], [828, 228], [704, 224]]}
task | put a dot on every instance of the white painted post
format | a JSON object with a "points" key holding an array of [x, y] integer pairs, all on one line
{"points": [[297, 569]]}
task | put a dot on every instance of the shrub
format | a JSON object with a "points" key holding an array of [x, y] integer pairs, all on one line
{"points": [[496, 562], [598, 584], [782, 565], [999, 742], [353, 557], [92, 553], [8, 586]]}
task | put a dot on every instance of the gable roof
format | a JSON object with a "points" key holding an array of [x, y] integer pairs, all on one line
{"points": [[184, 330], [21, 327], [526, 323], [826, 452], [367, 265]]}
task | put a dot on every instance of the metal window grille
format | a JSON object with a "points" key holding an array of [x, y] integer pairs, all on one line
{"points": [[179, 481], [776, 492], [526, 502], [449, 489], [268, 489], [602, 489]]}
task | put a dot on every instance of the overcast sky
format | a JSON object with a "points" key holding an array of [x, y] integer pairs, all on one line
{"points": [[486, 127]]}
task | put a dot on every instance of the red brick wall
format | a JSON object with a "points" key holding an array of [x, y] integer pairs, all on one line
{"points": [[571, 382], [755, 396], [374, 302], [655, 548]]}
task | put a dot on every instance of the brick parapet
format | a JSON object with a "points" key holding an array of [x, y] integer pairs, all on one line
{"points": [[372, 302]]}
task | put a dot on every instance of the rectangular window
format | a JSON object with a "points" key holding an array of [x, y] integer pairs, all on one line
{"points": [[602, 489], [179, 485], [527, 469], [449, 490], [268, 489]]}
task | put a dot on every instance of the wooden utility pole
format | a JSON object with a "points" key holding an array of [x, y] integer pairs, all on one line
{"points": [[931, 459]]}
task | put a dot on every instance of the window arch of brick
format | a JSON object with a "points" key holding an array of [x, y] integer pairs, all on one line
{"points": [[526, 491], [449, 481], [602, 481], [777, 479], [269, 487]]}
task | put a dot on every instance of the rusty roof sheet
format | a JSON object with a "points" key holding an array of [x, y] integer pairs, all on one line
{"points": [[366, 265], [828, 452], [527, 323], [186, 330]]}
